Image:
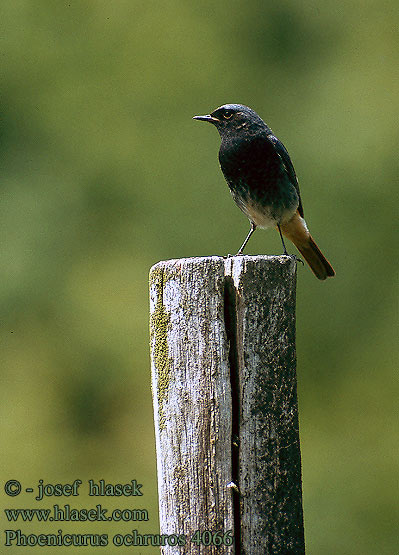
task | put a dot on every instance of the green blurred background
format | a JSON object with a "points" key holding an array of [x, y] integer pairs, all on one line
{"points": [[105, 173]]}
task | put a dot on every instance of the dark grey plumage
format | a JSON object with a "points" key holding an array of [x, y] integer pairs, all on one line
{"points": [[262, 179]]}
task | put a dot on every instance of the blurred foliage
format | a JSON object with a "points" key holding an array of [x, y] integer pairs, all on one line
{"points": [[105, 173]]}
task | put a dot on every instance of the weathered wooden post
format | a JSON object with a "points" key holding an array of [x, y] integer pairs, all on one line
{"points": [[225, 405]]}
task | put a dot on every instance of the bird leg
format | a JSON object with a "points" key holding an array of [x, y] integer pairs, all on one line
{"points": [[282, 240], [253, 227]]}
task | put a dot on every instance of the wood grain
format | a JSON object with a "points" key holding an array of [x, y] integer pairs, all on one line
{"points": [[225, 407]]}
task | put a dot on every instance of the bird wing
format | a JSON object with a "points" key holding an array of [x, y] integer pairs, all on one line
{"points": [[289, 168]]}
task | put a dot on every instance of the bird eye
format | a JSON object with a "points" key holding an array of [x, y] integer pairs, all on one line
{"points": [[227, 114]]}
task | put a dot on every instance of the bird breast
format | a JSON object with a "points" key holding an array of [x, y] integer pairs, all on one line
{"points": [[258, 180]]}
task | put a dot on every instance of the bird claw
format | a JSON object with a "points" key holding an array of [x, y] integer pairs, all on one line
{"points": [[232, 255], [298, 259]]}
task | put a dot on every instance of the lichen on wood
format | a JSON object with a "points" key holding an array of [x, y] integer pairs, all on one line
{"points": [[225, 407], [159, 323]]}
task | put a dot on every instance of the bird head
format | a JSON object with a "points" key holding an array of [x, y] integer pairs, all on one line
{"points": [[233, 119]]}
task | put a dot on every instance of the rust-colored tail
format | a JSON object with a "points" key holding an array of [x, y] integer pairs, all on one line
{"points": [[318, 263], [298, 233]]}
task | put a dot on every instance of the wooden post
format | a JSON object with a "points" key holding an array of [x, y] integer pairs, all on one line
{"points": [[225, 405]]}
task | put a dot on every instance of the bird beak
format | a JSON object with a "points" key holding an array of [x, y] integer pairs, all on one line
{"points": [[208, 117]]}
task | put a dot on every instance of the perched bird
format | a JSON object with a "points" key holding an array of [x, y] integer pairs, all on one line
{"points": [[262, 180]]}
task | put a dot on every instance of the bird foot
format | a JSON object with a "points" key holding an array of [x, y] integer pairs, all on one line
{"points": [[298, 259], [232, 255]]}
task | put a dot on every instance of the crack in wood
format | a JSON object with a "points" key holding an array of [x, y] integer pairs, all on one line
{"points": [[230, 320]]}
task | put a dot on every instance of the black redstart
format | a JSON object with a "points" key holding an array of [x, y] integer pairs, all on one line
{"points": [[262, 180]]}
